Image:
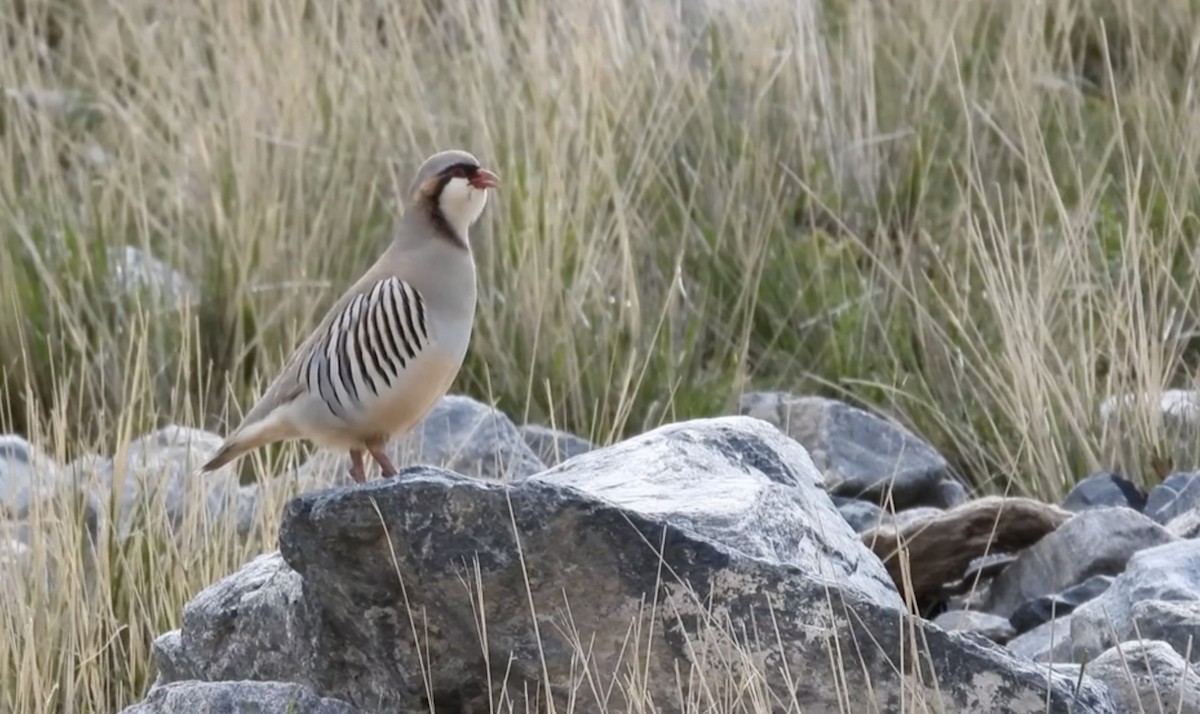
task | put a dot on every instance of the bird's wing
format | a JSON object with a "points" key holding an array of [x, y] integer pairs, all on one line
{"points": [[359, 352], [364, 352]]}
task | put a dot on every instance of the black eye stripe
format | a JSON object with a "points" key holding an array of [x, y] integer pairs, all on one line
{"points": [[460, 171]]}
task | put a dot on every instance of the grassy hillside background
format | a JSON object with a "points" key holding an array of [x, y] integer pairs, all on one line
{"points": [[979, 218]]}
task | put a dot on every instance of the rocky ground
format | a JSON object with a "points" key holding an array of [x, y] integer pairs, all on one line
{"points": [[804, 551]]}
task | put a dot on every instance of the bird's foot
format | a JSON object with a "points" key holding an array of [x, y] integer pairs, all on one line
{"points": [[385, 463]]}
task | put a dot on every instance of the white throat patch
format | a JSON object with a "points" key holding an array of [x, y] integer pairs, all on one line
{"points": [[461, 204]]}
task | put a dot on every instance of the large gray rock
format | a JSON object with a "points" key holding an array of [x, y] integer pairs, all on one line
{"points": [[1095, 542], [708, 546], [861, 455], [237, 698], [1156, 597], [470, 438], [862, 515], [1148, 677], [254, 621], [1177, 495], [738, 482]]}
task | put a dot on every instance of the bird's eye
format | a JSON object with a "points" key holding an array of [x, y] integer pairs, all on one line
{"points": [[459, 172]]}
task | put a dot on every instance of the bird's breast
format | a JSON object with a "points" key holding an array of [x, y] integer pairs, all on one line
{"points": [[404, 403]]}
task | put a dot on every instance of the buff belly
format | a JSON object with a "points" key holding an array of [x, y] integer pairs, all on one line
{"points": [[377, 418]]}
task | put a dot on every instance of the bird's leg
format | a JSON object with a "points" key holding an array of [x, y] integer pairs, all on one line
{"points": [[358, 472], [381, 458]]}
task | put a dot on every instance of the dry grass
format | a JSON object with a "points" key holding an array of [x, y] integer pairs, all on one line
{"points": [[978, 217]]}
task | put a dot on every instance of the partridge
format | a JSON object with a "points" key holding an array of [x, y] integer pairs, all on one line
{"points": [[390, 347]]}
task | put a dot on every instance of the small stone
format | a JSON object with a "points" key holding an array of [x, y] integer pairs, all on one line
{"points": [[1185, 525], [1048, 642], [553, 446], [1097, 541], [988, 566], [470, 438], [14, 561], [19, 572], [1179, 405], [1104, 490], [16, 449], [971, 591], [14, 552], [861, 515], [24, 471], [993, 627], [1177, 495], [861, 455], [52, 101], [1149, 677], [951, 493], [1045, 608], [1158, 596]]}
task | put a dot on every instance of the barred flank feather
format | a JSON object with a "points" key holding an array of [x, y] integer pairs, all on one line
{"points": [[367, 346]]}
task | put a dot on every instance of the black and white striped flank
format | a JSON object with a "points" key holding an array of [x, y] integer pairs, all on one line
{"points": [[367, 347]]}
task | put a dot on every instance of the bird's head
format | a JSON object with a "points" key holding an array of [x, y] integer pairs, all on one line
{"points": [[453, 188]]}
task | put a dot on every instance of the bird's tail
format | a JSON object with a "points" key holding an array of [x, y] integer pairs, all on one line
{"points": [[229, 451], [239, 443]]}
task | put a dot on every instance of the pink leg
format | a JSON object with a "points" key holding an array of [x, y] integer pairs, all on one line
{"points": [[358, 471], [385, 464]]}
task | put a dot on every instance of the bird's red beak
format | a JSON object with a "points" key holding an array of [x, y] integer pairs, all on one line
{"points": [[485, 179]]}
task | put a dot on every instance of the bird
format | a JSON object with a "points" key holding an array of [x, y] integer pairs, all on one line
{"points": [[393, 343]]}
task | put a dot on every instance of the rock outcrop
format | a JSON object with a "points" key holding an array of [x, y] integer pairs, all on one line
{"points": [[512, 564], [693, 561]]}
